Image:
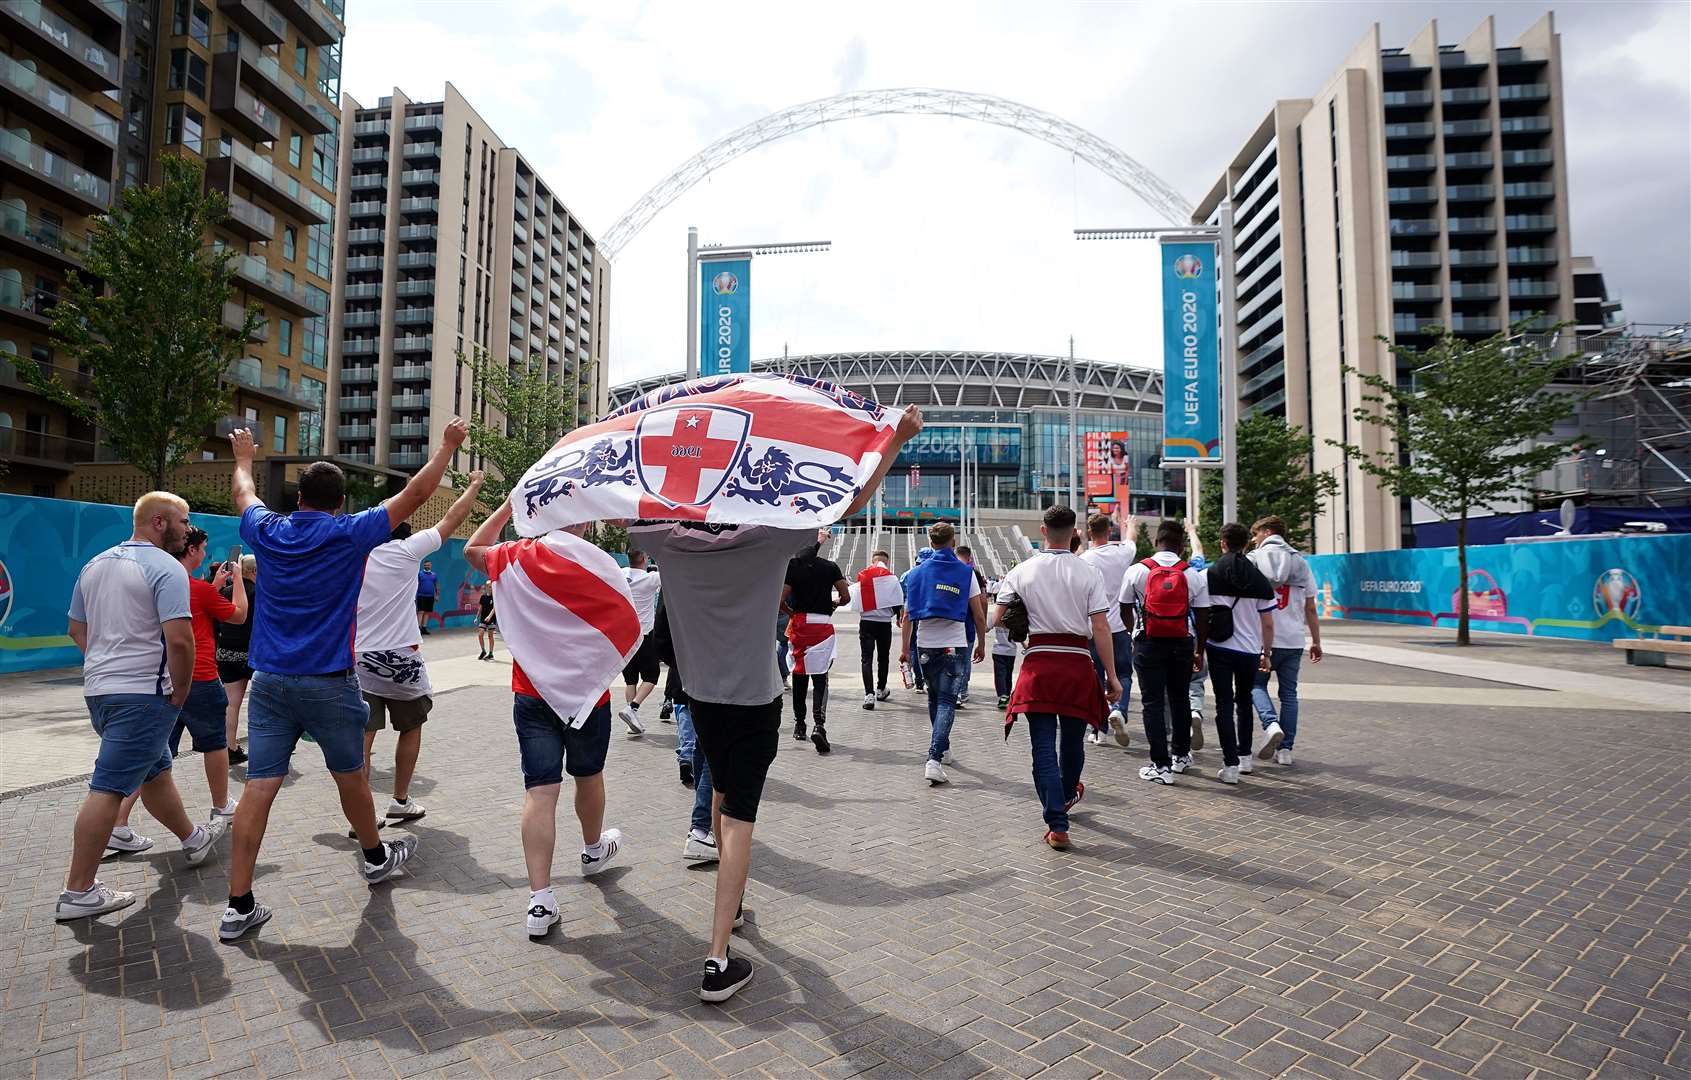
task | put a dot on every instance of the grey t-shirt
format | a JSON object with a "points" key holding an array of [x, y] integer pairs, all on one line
{"points": [[125, 595], [722, 590]]}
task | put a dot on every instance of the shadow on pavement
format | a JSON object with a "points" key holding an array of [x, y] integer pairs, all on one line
{"points": [[150, 956]]}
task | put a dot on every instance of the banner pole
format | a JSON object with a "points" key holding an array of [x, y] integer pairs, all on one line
{"points": [[1229, 372], [692, 367]]}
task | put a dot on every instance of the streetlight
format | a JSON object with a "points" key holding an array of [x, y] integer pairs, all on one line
{"points": [[693, 250], [1222, 233]]}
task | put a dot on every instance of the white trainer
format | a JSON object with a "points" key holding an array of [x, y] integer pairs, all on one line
{"points": [[947, 759], [1245, 765], [1182, 762], [129, 841], [630, 717], [409, 810], [214, 830], [1156, 774], [610, 842], [227, 811], [1282, 756], [699, 848], [1118, 728], [934, 773], [1229, 774], [98, 900], [868, 701], [1272, 737], [541, 919], [1197, 731]]}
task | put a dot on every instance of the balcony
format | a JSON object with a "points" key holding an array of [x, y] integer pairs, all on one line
{"points": [[367, 208], [235, 318], [1473, 290], [1529, 288], [360, 346], [1468, 193], [40, 239], [416, 288], [369, 181], [1535, 189], [243, 60], [410, 429], [422, 150], [54, 107], [372, 127], [358, 263], [1467, 161], [365, 236], [356, 431], [419, 205], [1516, 158], [273, 286], [406, 459], [358, 402], [361, 319], [1473, 257], [359, 457], [414, 343], [244, 112], [1420, 130], [1530, 256], [359, 376], [419, 400], [248, 375], [257, 18], [1412, 324], [424, 122], [1399, 99], [1524, 125], [515, 352], [23, 447], [413, 373], [51, 175], [420, 178], [27, 307], [1404, 290], [1414, 227], [1459, 129], [1524, 92], [315, 22], [411, 260], [365, 155], [414, 316], [45, 31], [1475, 324], [1472, 226], [248, 220], [1465, 95], [1525, 223]]}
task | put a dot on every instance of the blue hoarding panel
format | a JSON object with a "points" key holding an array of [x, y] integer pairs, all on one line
{"points": [[1191, 373], [725, 342]]}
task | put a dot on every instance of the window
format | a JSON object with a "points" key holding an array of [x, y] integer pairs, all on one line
{"points": [[193, 20], [279, 434], [187, 72], [310, 434], [290, 243], [285, 336], [281, 378], [183, 127], [301, 52], [320, 251], [252, 417], [296, 150]]}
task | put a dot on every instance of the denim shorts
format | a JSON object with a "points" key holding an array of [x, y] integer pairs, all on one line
{"points": [[134, 732], [202, 717], [281, 708], [551, 747]]}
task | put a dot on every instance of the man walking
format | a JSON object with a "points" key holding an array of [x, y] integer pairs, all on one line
{"points": [[391, 672], [1294, 610], [640, 675], [1242, 602], [428, 592], [205, 713], [302, 655], [233, 640], [1057, 693], [1165, 606], [880, 596], [966, 554], [722, 584], [699, 846], [941, 593], [1111, 560], [131, 616], [814, 588]]}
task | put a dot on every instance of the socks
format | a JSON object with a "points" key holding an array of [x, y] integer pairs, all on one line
{"points": [[544, 898], [376, 856], [242, 903], [195, 839], [123, 832], [596, 849], [721, 962]]}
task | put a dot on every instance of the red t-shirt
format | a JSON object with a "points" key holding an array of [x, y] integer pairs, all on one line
{"points": [[206, 604]]}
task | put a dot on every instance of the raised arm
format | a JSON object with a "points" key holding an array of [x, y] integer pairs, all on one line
{"points": [[236, 613], [909, 426], [460, 509], [241, 490], [485, 536], [427, 479]]}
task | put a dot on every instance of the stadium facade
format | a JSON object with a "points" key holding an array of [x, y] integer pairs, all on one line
{"points": [[1008, 411]]}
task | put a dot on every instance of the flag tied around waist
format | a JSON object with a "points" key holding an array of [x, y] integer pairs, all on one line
{"points": [[738, 449], [566, 613], [876, 587]]}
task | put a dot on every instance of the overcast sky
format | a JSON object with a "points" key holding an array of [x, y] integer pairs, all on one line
{"points": [[952, 234]]}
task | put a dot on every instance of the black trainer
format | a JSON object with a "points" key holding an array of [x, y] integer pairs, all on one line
{"points": [[721, 983], [686, 774], [820, 738], [798, 730]]}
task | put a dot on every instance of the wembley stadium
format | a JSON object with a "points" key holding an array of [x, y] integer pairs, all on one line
{"points": [[1009, 414]]}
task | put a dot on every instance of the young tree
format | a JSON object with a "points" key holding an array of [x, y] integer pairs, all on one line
{"points": [[1143, 548], [527, 415], [153, 342], [1469, 428], [1274, 478]]}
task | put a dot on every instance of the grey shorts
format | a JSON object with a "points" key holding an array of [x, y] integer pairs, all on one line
{"points": [[406, 715]]}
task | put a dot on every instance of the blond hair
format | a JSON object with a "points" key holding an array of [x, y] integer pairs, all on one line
{"points": [[249, 565], [154, 503]]}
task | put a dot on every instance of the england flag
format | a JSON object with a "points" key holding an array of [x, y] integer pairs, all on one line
{"points": [[876, 588], [568, 617]]}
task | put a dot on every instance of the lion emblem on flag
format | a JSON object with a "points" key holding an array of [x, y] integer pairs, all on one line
{"points": [[775, 476], [601, 463]]}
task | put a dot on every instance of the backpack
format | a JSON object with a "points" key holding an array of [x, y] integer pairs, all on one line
{"points": [[1168, 602], [1221, 621], [1013, 617]]}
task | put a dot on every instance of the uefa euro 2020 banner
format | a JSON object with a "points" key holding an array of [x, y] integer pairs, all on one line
{"points": [[725, 321], [1191, 373], [1599, 590]]}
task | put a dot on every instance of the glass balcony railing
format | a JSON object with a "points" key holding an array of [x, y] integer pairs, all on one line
{"points": [[1401, 98], [365, 236], [412, 372], [45, 163], [1524, 125], [404, 459], [414, 343], [1473, 257], [1475, 324], [99, 63], [1529, 190], [415, 288], [266, 171], [1414, 227], [1524, 92], [1531, 256], [55, 98], [358, 402], [419, 205], [1473, 290], [358, 376], [361, 319], [1526, 157], [415, 316], [1473, 225], [356, 431], [372, 127], [425, 122], [1532, 289], [1529, 222], [408, 430], [1465, 95], [1404, 290], [1467, 161], [271, 69], [1409, 131], [18, 222], [1468, 193], [411, 401], [364, 262], [1460, 128], [418, 232]]}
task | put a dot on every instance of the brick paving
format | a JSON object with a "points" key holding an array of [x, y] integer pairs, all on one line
{"points": [[1431, 891]]}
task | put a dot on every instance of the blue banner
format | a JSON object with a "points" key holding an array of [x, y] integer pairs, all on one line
{"points": [[1191, 374], [1593, 589], [725, 316]]}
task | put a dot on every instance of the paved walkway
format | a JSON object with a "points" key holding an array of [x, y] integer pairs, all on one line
{"points": [[1485, 886]]}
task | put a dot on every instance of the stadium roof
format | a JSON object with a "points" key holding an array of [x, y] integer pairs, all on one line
{"points": [[949, 378]]}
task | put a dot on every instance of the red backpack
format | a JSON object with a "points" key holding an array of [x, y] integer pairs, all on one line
{"points": [[1168, 602]]}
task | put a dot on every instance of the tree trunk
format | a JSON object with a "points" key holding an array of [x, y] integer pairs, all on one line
{"points": [[1462, 579]]}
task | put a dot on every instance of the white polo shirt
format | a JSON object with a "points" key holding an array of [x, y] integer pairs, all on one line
{"points": [[1112, 562], [1060, 591]]}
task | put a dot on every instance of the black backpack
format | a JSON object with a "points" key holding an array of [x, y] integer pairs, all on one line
{"points": [[1013, 617], [1221, 621]]}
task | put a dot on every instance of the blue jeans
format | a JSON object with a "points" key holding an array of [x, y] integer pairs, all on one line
{"points": [[281, 708], [1059, 754], [549, 747], [943, 669], [1121, 643], [1004, 673], [134, 732], [702, 790], [202, 717], [686, 736], [1286, 664]]}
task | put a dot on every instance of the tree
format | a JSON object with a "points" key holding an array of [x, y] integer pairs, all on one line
{"points": [[530, 414], [609, 537], [1467, 430], [1274, 478], [153, 342], [1143, 548]]}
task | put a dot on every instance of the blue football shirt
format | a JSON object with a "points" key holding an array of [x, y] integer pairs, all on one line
{"points": [[310, 568]]}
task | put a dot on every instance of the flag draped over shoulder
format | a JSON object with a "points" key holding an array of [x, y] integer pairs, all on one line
{"points": [[876, 587], [780, 450], [567, 615]]}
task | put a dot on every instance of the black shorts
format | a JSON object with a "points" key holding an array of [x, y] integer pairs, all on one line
{"points": [[233, 671], [425, 603], [739, 742], [643, 665]]}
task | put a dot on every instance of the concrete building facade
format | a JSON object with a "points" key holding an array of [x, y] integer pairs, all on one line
{"points": [[450, 243], [1421, 186]]}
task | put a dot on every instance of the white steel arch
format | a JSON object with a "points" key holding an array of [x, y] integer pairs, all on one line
{"points": [[1108, 158]]}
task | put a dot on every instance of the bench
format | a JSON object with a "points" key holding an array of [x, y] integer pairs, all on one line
{"points": [[1653, 652]]}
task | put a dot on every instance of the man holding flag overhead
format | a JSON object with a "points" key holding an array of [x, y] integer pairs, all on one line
{"points": [[728, 477]]}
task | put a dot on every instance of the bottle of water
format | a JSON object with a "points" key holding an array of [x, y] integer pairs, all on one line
{"points": [[906, 674]]}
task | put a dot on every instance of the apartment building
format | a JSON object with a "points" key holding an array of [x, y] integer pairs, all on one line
{"points": [[449, 243], [93, 92], [1422, 186]]}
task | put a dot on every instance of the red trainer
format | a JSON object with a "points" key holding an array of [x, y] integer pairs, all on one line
{"points": [[1059, 841], [1079, 794]]}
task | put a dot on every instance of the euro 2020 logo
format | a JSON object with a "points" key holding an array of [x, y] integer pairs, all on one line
{"points": [[1617, 591], [724, 283], [1188, 266], [5, 593]]}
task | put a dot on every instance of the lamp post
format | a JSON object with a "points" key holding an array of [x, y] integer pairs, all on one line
{"points": [[695, 252], [1222, 233]]}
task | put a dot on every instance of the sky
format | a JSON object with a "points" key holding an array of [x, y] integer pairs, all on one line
{"points": [[951, 234]]}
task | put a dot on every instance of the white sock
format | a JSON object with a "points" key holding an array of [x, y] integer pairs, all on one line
{"points": [[699, 835], [122, 832], [595, 849], [195, 838], [721, 962], [544, 898], [82, 892]]}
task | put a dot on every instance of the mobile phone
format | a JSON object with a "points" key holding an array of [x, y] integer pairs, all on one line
{"points": [[235, 554]]}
